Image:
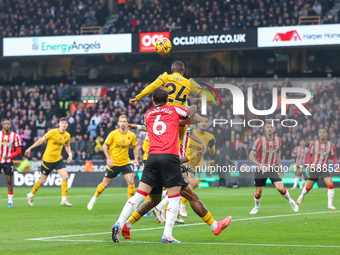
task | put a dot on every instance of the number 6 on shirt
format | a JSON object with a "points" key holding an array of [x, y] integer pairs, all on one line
{"points": [[158, 123]]}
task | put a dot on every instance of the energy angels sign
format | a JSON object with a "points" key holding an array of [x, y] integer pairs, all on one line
{"points": [[67, 45]]}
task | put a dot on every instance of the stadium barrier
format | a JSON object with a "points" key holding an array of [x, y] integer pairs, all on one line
{"points": [[210, 174]]}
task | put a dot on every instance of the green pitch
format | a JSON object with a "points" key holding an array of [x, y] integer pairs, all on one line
{"points": [[49, 228]]}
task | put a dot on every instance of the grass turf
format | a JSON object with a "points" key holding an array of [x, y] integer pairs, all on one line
{"points": [[307, 232]]}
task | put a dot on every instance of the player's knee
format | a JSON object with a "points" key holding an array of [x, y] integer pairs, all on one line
{"points": [[65, 178], [131, 182], [9, 182], [331, 186]]}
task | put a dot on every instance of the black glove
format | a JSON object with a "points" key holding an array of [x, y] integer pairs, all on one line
{"points": [[212, 143]]}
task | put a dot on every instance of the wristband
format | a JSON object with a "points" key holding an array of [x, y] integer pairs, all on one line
{"points": [[139, 127], [70, 154]]}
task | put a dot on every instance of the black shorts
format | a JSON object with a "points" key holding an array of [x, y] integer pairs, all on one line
{"points": [[314, 175], [261, 178], [115, 170], [159, 189], [144, 161], [162, 170], [47, 167], [7, 168]]}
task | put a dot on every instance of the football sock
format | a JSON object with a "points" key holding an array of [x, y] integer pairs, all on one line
{"points": [[147, 198], [305, 190], [297, 178], [35, 188], [10, 197], [286, 195], [64, 189], [330, 194], [131, 205], [100, 189], [131, 190], [163, 203], [135, 216], [257, 200], [209, 220], [171, 215]]}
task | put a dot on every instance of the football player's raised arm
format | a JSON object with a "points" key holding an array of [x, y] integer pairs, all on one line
{"points": [[195, 138], [150, 88], [36, 144], [137, 127], [197, 89]]}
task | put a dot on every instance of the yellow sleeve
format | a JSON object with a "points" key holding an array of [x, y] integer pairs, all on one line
{"points": [[109, 140], [68, 138], [49, 134], [160, 81], [212, 150], [197, 89], [134, 141]]}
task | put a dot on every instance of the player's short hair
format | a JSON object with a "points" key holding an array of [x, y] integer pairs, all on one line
{"points": [[177, 65], [269, 122], [123, 117], [63, 119], [160, 95], [323, 129], [5, 121]]}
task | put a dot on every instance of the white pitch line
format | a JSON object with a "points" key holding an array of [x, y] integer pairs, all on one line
{"points": [[103, 195], [191, 243], [177, 226]]}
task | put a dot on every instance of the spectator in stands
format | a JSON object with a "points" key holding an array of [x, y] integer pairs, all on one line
{"points": [[90, 144], [317, 8], [92, 128], [80, 145]]}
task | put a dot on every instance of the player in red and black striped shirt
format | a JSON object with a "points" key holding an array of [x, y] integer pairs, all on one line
{"points": [[266, 155], [10, 147], [317, 158]]}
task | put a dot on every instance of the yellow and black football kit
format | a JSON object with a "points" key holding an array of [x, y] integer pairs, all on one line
{"points": [[179, 89], [193, 146], [119, 152], [52, 155], [146, 147]]}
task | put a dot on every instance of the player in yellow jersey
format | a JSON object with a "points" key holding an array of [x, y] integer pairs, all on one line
{"points": [[179, 89], [116, 149], [194, 161], [56, 139]]}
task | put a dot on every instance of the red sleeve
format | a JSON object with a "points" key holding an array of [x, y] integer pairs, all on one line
{"points": [[182, 112], [309, 154], [335, 160], [295, 149], [309, 158], [256, 145], [17, 152]]}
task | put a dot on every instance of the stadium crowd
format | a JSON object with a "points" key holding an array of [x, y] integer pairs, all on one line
{"points": [[203, 15], [58, 17], [34, 111], [50, 18]]}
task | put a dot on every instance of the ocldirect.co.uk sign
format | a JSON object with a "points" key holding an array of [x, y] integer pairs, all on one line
{"points": [[67, 45]]}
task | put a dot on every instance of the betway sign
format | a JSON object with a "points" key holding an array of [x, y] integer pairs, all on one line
{"points": [[298, 35], [67, 45], [28, 179]]}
